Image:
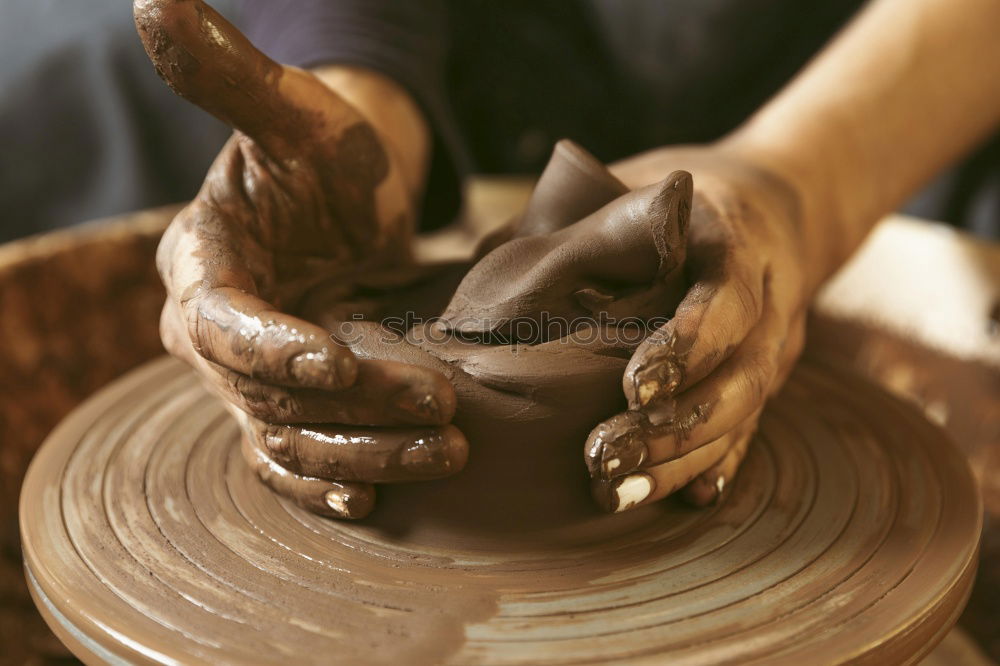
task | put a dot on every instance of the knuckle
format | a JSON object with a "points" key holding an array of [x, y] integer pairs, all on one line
{"points": [[267, 403], [194, 316], [254, 352], [749, 301], [254, 456], [758, 375], [234, 383], [278, 441], [743, 443], [284, 406], [268, 471], [260, 467]]}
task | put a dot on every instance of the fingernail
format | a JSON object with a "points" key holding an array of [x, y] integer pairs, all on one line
{"points": [[310, 368], [350, 501], [347, 370], [625, 455], [661, 377], [617, 446], [277, 444], [424, 457], [337, 502], [631, 490], [419, 405], [701, 492]]}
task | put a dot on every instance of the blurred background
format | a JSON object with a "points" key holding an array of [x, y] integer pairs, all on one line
{"points": [[88, 131]]}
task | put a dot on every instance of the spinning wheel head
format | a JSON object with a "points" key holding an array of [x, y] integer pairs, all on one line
{"points": [[851, 535]]}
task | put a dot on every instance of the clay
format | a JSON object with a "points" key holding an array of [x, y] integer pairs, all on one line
{"points": [[525, 401], [964, 388], [850, 536], [303, 219], [577, 255]]}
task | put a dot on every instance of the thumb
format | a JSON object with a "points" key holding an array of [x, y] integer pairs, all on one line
{"points": [[206, 60]]}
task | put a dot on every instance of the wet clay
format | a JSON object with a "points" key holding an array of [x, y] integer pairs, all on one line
{"points": [[849, 536], [302, 214], [534, 338]]}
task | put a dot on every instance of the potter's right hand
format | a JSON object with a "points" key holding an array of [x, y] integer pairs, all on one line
{"points": [[306, 190]]}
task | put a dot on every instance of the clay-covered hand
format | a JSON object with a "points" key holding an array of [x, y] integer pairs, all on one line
{"points": [[697, 385], [305, 191]]}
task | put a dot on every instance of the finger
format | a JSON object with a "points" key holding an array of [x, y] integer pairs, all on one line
{"points": [[333, 499], [674, 427], [639, 488], [795, 342], [708, 487], [225, 321], [370, 455], [714, 317], [386, 393], [206, 60], [244, 333]]}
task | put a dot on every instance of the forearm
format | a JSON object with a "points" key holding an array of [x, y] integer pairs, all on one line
{"points": [[392, 112], [907, 88], [383, 56]]}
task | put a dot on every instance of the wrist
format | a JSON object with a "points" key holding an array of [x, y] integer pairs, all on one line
{"points": [[392, 112], [823, 214]]}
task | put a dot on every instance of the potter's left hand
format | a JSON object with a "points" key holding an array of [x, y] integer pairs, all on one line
{"points": [[697, 385]]}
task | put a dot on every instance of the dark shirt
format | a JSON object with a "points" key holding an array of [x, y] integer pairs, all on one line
{"points": [[87, 129], [502, 81]]}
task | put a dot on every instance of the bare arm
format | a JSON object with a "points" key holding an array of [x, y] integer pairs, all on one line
{"points": [[905, 90], [779, 204], [392, 112]]}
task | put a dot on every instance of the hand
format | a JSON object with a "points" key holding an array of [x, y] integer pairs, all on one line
{"points": [[306, 191], [697, 385]]}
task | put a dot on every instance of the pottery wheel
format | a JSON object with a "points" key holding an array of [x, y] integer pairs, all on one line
{"points": [[851, 534]]}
